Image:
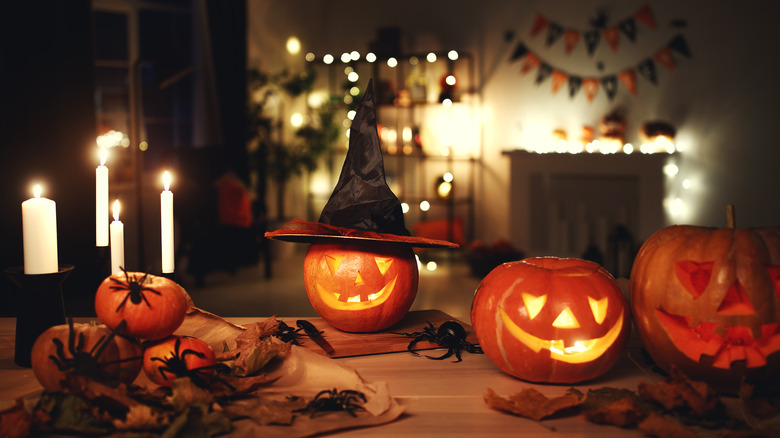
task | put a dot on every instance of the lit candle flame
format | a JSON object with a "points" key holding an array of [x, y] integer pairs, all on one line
{"points": [[103, 156], [166, 180], [116, 210], [37, 190]]}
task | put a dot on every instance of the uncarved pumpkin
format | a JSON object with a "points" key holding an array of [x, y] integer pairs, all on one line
{"points": [[549, 319], [705, 300], [179, 356], [361, 286], [153, 307]]}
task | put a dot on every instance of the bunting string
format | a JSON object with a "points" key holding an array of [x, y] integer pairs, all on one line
{"points": [[611, 34], [609, 83]]}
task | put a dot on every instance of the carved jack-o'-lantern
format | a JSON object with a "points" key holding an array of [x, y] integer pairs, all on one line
{"points": [[706, 300], [361, 286], [549, 319]]}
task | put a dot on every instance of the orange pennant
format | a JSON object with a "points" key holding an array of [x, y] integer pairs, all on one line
{"points": [[611, 34], [664, 56], [645, 15], [570, 39], [591, 87], [628, 78], [559, 78], [540, 23], [530, 62]]}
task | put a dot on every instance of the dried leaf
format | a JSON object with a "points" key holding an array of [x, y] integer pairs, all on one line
{"points": [[185, 393], [267, 409], [619, 407], [142, 417], [532, 404], [254, 349], [70, 413], [657, 425], [197, 421], [239, 386], [15, 422], [678, 393], [759, 413]]}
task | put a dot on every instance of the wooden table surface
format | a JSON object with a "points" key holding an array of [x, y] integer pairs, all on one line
{"points": [[443, 398]]}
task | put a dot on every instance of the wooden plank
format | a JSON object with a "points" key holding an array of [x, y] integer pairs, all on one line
{"points": [[387, 341]]}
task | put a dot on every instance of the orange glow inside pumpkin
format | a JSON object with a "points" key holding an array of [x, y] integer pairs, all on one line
{"points": [[364, 298], [738, 343]]}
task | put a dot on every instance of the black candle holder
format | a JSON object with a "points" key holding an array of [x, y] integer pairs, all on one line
{"points": [[39, 305], [103, 256]]}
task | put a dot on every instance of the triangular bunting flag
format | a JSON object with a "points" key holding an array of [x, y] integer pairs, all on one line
{"points": [[520, 51], [591, 87], [539, 24], [575, 83], [645, 15], [678, 44], [558, 79], [664, 56], [628, 27], [628, 78], [554, 32], [530, 62], [609, 83], [544, 72], [592, 38], [570, 39], [611, 34], [647, 69]]}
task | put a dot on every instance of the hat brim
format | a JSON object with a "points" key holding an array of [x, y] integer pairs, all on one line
{"points": [[299, 231]]}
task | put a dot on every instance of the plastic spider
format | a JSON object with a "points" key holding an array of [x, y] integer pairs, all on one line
{"points": [[450, 334], [134, 287], [86, 363], [333, 400], [288, 334], [176, 365]]}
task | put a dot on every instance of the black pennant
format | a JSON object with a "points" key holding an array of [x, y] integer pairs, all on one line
{"points": [[591, 38], [520, 51], [609, 83], [647, 69], [678, 44], [544, 72], [575, 82], [628, 27], [554, 32]]}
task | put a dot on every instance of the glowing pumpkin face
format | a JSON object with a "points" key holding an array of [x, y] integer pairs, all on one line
{"points": [[549, 319], [707, 301], [360, 286]]}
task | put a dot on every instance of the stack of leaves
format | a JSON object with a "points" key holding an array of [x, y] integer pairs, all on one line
{"points": [[676, 407]]}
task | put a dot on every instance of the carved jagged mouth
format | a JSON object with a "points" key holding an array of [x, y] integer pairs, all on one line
{"points": [[737, 344], [582, 351], [336, 300]]}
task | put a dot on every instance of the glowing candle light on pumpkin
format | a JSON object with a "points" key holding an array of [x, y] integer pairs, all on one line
{"points": [[39, 233], [166, 221], [117, 231], [101, 200]]}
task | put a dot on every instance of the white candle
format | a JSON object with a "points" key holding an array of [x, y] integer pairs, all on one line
{"points": [[101, 201], [39, 234], [166, 221], [117, 229]]}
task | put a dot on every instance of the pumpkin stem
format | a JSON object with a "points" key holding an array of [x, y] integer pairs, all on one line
{"points": [[731, 218]]}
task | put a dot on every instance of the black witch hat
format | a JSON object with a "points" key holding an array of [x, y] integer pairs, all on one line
{"points": [[362, 206]]}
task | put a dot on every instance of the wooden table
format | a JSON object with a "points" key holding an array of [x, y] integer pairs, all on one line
{"points": [[443, 398]]}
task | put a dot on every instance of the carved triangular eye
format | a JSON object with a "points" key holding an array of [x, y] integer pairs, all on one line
{"points": [[358, 279], [599, 308], [533, 304], [566, 319], [694, 276], [774, 275], [383, 263], [736, 302], [333, 261]]}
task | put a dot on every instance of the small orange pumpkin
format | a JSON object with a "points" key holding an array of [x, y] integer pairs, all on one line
{"points": [[153, 307], [361, 286], [707, 301], [179, 356], [549, 319]]}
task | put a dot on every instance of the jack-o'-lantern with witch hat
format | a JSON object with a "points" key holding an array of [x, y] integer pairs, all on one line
{"points": [[360, 272]]}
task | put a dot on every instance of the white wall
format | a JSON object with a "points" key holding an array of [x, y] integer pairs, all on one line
{"points": [[722, 100]]}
